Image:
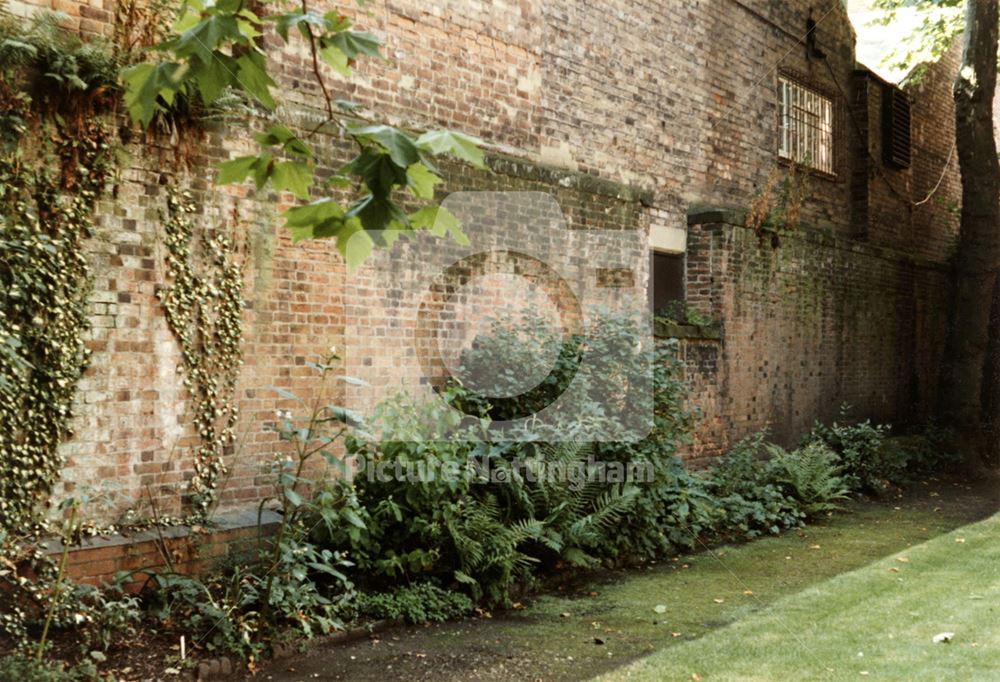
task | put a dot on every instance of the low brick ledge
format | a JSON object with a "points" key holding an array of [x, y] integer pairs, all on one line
{"points": [[673, 330], [192, 549]]}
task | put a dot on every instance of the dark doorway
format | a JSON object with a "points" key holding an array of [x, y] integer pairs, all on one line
{"points": [[666, 279]]}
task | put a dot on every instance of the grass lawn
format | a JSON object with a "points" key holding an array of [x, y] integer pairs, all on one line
{"points": [[877, 622], [608, 623]]}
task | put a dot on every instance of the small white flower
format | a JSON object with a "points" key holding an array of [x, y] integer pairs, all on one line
{"points": [[333, 350]]}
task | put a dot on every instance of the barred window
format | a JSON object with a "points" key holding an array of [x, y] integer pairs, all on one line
{"points": [[806, 126]]}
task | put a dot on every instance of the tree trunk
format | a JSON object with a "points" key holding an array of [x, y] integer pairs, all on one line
{"points": [[961, 391], [991, 384]]}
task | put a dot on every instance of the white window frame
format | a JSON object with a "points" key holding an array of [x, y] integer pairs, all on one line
{"points": [[806, 134]]}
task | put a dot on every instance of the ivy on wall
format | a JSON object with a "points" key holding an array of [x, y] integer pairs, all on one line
{"points": [[56, 156], [203, 307]]}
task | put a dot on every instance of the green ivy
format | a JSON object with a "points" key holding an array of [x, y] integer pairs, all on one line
{"points": [[56, 157], [203, 307], [55, 160]]}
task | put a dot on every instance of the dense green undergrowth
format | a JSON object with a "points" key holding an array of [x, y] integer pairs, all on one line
{"points": [[458, 519], [424, 530]]}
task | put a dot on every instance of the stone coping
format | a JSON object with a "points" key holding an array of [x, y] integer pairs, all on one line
{"points": [[737, 218], [221, 523]]}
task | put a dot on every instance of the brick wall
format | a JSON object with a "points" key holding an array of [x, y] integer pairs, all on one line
{"points": [[815, 322], [628, 113], [915, 208]]}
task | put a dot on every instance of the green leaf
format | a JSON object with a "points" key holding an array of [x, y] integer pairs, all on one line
{"points": [[284, 22], [459, 145], [334, 56], [234, 171], [335, 21], [288, 395], [353, 518], [439, 221], [334, 461], [377, 214], [295, 176], [348, 105], [421, 181], [276, 135], [262, 169], [354, 43], [326, 568], [321, 218], [465, 578], [400, 146], [214, 76], [354, 244], [353, 381], [293, 497], [205, 37], [190, 17], [145, 83], [378, 171], [252, 76]]}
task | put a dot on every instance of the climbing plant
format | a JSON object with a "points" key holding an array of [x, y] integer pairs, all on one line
{"points": [[203, 307], [57, 151], [217, 48], [55, 159]]}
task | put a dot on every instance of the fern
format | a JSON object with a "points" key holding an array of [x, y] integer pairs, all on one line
{"points": [[811, 475], [576, 520]]}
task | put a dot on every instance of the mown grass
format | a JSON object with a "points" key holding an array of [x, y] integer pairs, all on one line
{"points": [[876, 622]]}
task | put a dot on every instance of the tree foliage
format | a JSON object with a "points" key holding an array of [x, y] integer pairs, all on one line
{"points": [[217, 48], [940, 23]]}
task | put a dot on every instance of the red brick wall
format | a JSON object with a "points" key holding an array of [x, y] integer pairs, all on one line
{"points": [[815, 322], [680, 101]]}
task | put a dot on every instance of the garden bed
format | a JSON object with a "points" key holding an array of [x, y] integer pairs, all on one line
{"points": [[554, 636]]}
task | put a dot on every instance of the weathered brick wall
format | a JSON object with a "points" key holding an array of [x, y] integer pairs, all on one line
{"points": [[591, 100], [916, 208], [133, 424], [815, 322]]}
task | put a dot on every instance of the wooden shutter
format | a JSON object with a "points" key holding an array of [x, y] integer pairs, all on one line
{"points": [[895, 127]]}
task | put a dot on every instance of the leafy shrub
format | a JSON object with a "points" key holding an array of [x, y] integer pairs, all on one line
{"points": [[671, 508], [107, 614], [751, 502], [25, 669], [291, 581], [577, 519], [56, 58], [869, 463], [436, 520], [213, 610], [418, 603], [810, 475], [489, 529], [929, 450]]}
